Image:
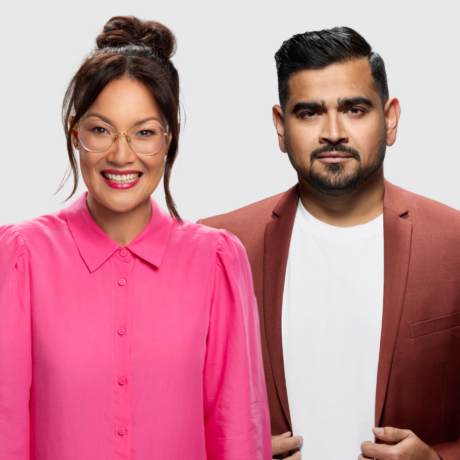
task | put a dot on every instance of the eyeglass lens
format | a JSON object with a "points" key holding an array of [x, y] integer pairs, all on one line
{"points": [[145, 138]]}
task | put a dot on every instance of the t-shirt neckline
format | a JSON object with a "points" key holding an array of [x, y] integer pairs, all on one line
{"points": [[311, 223]]}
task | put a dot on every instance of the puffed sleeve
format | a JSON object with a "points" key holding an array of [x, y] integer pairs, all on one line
{"points": [[237, 424], [15, 347]]}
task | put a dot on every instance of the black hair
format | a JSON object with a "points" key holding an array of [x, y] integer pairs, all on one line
{"points": [[316, 50]]}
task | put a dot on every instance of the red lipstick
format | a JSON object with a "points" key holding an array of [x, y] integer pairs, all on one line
{"points": [[128, 182]]}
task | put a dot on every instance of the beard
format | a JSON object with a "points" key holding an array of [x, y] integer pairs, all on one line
{"points": [[335, 180]]}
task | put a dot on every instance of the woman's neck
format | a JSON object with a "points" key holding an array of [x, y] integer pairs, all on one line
{"points": [[121, 227]]}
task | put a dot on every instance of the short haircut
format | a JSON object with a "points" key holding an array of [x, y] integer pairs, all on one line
{"points": [[316, 50]]}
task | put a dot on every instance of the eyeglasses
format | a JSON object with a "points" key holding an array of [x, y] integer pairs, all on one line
{"points": [[145, 138]]}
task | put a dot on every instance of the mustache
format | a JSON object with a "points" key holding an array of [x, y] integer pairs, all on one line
{"points": [[335, 148]]}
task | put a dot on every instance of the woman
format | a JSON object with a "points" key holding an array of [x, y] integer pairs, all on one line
{"points": [[126, 333]]}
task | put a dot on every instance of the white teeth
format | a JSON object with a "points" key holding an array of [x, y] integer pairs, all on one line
{"points": [[122, 178]]}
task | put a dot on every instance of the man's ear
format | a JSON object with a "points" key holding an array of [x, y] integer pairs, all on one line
{"points": [[392, 112], [278, 121]]}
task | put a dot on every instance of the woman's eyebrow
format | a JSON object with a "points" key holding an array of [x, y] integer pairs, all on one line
{"points": [[106, 120], [93, 114], [148, 119]]}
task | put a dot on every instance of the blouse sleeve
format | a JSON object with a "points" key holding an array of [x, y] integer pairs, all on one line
{"points": [[15, 347], [237, 424]]}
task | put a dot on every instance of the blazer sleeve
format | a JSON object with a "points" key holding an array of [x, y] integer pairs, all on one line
{"points": [[237, 423], [448, 451], [15, 347]]}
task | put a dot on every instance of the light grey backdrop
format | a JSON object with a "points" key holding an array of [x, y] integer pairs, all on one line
{"points": [[228, 150]]}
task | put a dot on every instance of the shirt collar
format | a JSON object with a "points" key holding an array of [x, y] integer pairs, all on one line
{"points": [[96, 247]]}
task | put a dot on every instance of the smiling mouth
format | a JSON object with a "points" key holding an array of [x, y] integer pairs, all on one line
{"points": [[121, 178]]}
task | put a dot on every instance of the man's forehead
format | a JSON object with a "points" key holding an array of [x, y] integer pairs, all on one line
{"points": [[334, 82]]}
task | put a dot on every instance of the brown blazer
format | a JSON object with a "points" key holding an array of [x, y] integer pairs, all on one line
{"points": [[418, 382]]}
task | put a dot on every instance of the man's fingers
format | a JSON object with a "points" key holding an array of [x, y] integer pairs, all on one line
{"points": [[284, 443], [296, 456], [390, 434], [372, 450]]}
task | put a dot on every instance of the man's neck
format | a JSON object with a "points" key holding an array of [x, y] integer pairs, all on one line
{"points": [[356, 208]]}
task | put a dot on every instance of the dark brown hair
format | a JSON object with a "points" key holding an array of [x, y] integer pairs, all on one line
{"points": [[140, 50]]}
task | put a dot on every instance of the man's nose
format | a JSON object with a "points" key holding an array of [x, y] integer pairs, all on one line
{"points": [[333, 130]]}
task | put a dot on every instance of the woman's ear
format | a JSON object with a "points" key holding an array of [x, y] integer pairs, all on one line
{"points": [[169, 142], [74, 132], [169, 137]]}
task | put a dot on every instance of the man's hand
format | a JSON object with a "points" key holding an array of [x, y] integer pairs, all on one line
{"points": [[404, 446], [283, 443]]}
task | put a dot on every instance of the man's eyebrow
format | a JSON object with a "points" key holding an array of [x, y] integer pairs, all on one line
{"points": [[308, 106], [355, 101]]}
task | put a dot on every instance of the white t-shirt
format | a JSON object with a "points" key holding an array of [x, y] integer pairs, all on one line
{"points": [[331, 326]]}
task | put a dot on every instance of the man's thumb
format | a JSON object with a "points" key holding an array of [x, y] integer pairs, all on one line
{"points": [[390, 434], [278, 437]]}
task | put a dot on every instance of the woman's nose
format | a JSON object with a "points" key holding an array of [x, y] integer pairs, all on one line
{"points": [[120, 151]]}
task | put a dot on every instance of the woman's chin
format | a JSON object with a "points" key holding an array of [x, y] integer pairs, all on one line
{"points": [[121, 203]]}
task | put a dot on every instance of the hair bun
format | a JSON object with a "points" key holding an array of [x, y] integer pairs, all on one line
{"points": [[129, 30]]}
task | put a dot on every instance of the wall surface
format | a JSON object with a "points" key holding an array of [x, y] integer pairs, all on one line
{"points": [[229, 155]]}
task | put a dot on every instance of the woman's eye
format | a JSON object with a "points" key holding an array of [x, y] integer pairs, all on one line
{"points": [[146, 133], [99, 130]]}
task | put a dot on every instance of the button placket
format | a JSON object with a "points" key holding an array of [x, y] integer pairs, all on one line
{"points": [[122, 398]]}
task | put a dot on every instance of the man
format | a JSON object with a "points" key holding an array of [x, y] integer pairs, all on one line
{"points": [[357, 280]]}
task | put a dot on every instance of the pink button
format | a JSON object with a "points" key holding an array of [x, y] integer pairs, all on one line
{"points": [[122, 431], [123, 252], [122, 381], [122, 282], [122, 330]]}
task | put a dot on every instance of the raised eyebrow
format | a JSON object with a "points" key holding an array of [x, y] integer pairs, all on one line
{"points": [[355, 101], [308, 106]]}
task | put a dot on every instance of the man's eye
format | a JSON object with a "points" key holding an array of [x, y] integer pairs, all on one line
{"points": [[309, 114], [355, 111]]}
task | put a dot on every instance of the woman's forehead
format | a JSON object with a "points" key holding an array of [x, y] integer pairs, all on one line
{"points": [[126, 101]]}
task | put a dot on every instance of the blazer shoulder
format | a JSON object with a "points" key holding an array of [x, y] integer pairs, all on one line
{"points": [[432, 219], [249, 217], [422, 206]]}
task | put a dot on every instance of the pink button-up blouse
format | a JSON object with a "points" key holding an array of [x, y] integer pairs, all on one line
{"points": [[150, 351]]}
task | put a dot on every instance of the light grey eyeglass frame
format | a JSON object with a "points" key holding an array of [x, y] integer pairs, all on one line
{"points": [[75, 128]]}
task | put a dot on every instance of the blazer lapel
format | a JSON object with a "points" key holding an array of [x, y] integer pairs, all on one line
{"points": [[397, 230], [276, 250]]}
